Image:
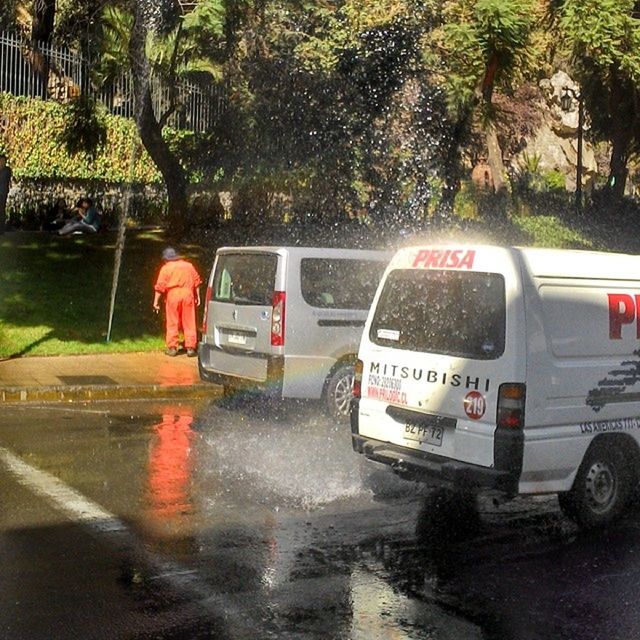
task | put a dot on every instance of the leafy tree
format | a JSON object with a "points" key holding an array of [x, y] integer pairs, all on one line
{"points": [[484, 43], [8, 11], [604, 39], [170, 48], [335, 103]]}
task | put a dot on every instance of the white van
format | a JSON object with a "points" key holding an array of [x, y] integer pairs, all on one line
{"points": [[512, 369], [287, 321]]}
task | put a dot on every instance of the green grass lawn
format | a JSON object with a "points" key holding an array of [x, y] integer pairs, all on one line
{"points": [[55, 293]]}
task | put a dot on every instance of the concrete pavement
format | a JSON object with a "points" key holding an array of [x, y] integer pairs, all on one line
{"points": [[101, 377]]}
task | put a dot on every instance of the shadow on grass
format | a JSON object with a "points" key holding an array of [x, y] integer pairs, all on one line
{"points": [[28, 348], [55, 293]]}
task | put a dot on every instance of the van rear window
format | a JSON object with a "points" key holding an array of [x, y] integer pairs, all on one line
{"points": [[446, 312], [340, 283], [244, 278]]}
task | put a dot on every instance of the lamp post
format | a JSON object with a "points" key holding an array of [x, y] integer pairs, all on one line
{"points": [[566, 101]]}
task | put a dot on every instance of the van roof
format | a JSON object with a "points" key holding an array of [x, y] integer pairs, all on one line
{"points": [[312, 252], [575, 263]]}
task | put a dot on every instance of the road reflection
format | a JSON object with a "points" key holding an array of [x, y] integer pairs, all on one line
{"points": [[171, 373], [170, 466]]}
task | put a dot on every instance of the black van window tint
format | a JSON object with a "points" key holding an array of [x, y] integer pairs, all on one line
{"points": [[244, 278], [340, 283], [447, 312]]}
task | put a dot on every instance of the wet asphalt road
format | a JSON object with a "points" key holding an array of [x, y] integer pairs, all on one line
{"points": [[235, 520]]}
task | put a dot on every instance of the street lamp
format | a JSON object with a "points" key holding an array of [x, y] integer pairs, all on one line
{"points": [[566, 102]]}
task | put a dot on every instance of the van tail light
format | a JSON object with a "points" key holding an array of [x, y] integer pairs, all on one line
{"points": [[357, 379], [207, 300], [511, 397], [277, 319]]}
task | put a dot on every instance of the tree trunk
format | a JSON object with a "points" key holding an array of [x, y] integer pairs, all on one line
{"points": [[452, 173], [44, 13], [150, 131], [484, 95], [494, 158], [621, 134]]}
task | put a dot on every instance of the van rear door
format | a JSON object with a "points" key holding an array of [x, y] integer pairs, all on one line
{"points": [[240, 308], [437, 348]]}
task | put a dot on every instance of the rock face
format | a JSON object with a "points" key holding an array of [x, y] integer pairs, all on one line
{"points": [[555, 143]]}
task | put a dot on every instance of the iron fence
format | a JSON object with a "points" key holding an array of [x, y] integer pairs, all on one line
{"points": [[58, 73]]}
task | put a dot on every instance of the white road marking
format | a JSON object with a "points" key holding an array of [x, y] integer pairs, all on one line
{"points": [[74, 504], [75, 409], [82, 510]]}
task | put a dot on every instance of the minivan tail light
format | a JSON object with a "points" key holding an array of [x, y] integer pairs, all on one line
{"points": [[277, 319], [511, 398], [207, 300], [357, 379]]}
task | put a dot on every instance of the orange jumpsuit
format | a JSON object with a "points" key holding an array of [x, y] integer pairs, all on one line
{"points": [[178, 281]]}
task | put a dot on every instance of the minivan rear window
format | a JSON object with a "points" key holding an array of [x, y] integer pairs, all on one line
{"points": [[446, 312], [340, 283], [245, 278]]}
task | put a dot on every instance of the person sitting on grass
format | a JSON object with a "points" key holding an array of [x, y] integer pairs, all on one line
{"points": [[87, 219]]}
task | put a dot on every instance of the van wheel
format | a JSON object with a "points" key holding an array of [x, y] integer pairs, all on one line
{"points": [[340, 391], [601, 489]]}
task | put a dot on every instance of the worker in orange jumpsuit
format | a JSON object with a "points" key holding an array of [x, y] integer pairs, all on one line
{"points": [[179, 282]]}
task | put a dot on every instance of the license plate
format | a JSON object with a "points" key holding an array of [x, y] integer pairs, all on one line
{"points": [[236, 338], [424, 434]]}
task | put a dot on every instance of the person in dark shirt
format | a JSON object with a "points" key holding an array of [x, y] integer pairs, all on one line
{"points": [[87, 220], [5, 184]]}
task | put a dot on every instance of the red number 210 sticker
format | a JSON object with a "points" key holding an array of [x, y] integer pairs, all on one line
{"points": [[474, 405]]}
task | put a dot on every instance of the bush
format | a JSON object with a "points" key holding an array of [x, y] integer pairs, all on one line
{"points": [[33, 133]]}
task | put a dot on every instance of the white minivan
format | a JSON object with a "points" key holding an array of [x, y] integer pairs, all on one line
{"points": [[511, 369], [287, 321]]}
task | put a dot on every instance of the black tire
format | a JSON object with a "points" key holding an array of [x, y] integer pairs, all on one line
{"points": [[602, 488], [338, 393]]}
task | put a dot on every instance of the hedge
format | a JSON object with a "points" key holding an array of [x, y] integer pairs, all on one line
{"points": [[31, 133]]}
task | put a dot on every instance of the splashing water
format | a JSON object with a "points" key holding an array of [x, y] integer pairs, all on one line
{"points": [[303, 460]]}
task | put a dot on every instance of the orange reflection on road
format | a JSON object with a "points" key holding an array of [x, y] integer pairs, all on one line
{"points": [[171, 465]]}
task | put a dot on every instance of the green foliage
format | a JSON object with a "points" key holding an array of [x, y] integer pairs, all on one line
{"points": [[85, 128], [189, 46], [466, 202], [34, 139], [475, 33], [115, 32], [551, 231], [8, 14], [531, 179], [605, 31], [555, 181]]}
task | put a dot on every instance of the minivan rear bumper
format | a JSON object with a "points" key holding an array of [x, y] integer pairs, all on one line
{"points": [[270, 384], [427, 468]]}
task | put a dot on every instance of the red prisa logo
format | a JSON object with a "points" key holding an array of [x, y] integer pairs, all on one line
{"points": [[444, 259], [623, 309]]}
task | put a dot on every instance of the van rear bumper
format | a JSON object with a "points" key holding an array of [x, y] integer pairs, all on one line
{"points": [[425, 467], [270, 383]]}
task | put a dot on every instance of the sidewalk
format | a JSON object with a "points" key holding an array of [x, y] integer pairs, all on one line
{"points": [[118, 376]]}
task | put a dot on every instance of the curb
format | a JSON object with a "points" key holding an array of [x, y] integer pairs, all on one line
{"points": [[13, 395]]}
